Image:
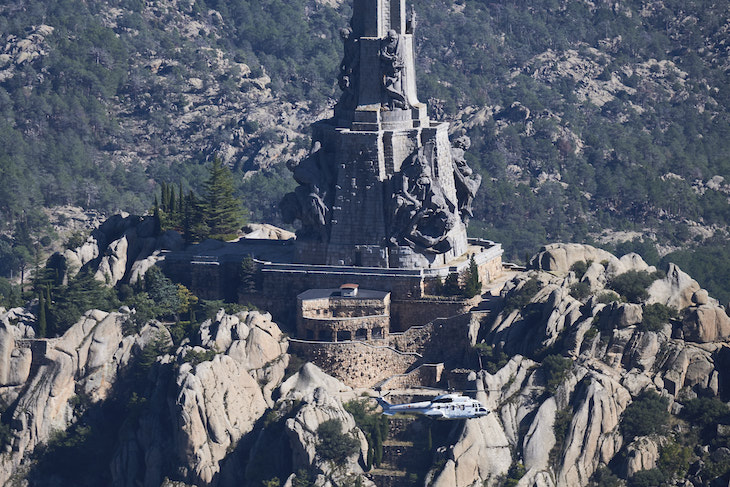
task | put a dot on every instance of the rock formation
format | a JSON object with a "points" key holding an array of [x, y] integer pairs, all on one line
{"points": [[122, 249]]}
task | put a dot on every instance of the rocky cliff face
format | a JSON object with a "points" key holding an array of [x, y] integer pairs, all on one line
{"points": [[612, 354], [224, 406]]}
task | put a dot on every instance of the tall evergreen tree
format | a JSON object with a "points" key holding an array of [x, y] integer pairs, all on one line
{"points": [[42, 325], [472, 284], [220, 211]]}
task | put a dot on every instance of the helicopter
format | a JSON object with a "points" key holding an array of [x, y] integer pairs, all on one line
{"points": [[442, 407]]}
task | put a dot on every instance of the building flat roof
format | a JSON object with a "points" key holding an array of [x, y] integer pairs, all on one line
{"points": [[335, 293]]}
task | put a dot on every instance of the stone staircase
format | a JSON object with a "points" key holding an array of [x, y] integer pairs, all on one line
{"points": [[405, 459]]}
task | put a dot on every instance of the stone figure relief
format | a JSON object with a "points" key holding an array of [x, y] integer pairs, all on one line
{"points": [[467, 183], [392, 63], [421, 216], [411, 22], [348, 78], [308, 202]]}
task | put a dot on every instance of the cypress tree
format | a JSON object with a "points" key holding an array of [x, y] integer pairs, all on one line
{"points": [[42, 326], [472, 284], [220, 211]]}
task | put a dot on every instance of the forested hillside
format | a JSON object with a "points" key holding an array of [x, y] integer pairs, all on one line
{"points": [[586, 119]]}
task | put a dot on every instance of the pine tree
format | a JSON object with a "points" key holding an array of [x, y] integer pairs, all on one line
{"points": [[472, 284], [220, 211]]}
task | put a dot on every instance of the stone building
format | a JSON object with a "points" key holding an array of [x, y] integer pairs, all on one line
{"points": [[336, 315]]}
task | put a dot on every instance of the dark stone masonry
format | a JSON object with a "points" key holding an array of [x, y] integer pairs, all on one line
{"points": [[383, 201]]}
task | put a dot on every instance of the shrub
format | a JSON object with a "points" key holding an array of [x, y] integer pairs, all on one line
{"points": [[373, 424], [560, 428], [608, 297], [632, 285], [520, 298], [706, 411], [472, 284], [451, 285], [647, 478], [491, 359], [590, 334], [646, 415], [605, 478], [514, 474], [674, 460], [195, 357], [333, 444], [556, 369], [580, 290], [655, 316], [580, 268]]}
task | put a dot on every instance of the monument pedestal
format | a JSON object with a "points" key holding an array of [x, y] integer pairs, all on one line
{"points": [[382, 186]]}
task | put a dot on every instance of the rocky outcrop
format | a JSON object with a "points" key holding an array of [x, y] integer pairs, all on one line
{"points": [[212, 407], [642, 454], [217, 403], [615, 357], [559, 257], [705, 324], [675, 290], [43, 376], [17, 52], [480, 455], [266, 231], [122, 249]]}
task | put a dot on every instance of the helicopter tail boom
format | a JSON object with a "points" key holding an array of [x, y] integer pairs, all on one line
{"points": [[385, 405]]}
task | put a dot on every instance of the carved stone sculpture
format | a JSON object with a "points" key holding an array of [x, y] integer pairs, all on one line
{"points": [[467, 183], [308, 202], [412, 22], [392, 61], [421, 216], [349, 68]]}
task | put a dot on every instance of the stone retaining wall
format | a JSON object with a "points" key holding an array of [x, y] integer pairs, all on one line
{"points": [[357, 364]]}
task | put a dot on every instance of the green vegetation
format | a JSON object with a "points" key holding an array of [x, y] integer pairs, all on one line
{"points": [[561, 428], [194, 357], [491, 359], [556, 369], [219, 214], [655, 316], [520, 298], [645, 248], [63, 305], [674, 460], [472, 284], [647, 478], [373, 424], [333, 444], [580, 267], [647, 414], [65, 114], [632, 285], [580, 290], [514, 474], [603, 477], [706, 413]]}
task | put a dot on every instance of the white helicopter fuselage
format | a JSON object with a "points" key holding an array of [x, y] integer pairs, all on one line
{"points": [[446, 406]]}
